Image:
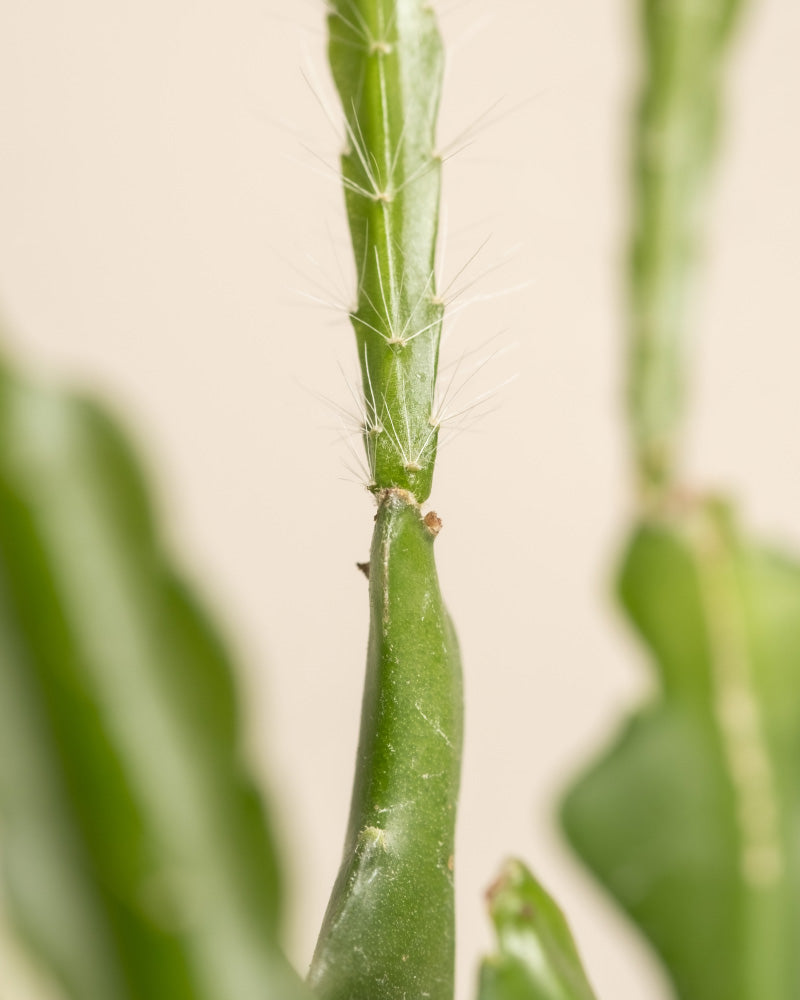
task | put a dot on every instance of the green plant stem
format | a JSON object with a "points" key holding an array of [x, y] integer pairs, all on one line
{"points": [[386, 59], [389, 929], [677, 125], [690, 817]]}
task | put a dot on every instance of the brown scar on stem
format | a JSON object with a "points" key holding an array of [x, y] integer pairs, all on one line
{"points": [[395, 493], [364, 567], [433, 522]]}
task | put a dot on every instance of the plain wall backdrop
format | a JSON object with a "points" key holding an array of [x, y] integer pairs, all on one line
{"points": [[163, 208]]}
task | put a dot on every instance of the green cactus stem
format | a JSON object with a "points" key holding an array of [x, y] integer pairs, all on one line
{"points": [[386, 58], [388, 933], [684, 45], [536, 958], [690, 819], [137, 860]]}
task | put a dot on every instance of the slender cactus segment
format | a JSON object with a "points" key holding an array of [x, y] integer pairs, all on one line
{"points": [[386, 58], [389, 930], [691, 818], [685, 43], [388, 933], [137, 861], [536, 957]]}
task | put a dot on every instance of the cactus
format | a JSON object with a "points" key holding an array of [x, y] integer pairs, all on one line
{"points": [[675, 137], [388, 932], [536, 957], [137, 856], [386, 59], [377, 940], [689, 819]]}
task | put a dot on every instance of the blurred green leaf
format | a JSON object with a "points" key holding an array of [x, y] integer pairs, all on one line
{"points": [[691, 819], [536, 957], [137, 857]]}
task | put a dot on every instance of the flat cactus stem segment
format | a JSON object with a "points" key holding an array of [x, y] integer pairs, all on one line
{"points": [[137, 860], [690, 817], [675, 137], [386, 58], [389, 929]]}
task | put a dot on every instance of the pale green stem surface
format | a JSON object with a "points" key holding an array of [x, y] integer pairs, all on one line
{"points": [[684, 47]]}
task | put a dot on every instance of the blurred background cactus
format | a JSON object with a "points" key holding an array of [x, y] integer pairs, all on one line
{"points": [[139, 857], [689, 818]]}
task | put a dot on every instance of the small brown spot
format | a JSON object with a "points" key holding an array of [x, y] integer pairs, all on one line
{"points": [[451, 862], [364, 567], [433, 522], [496, 888]]}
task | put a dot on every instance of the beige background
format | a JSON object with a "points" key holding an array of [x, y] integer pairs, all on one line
{"points": [[162, 208]]}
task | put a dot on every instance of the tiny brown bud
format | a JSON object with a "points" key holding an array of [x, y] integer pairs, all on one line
{"points": [[433, 522]]}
